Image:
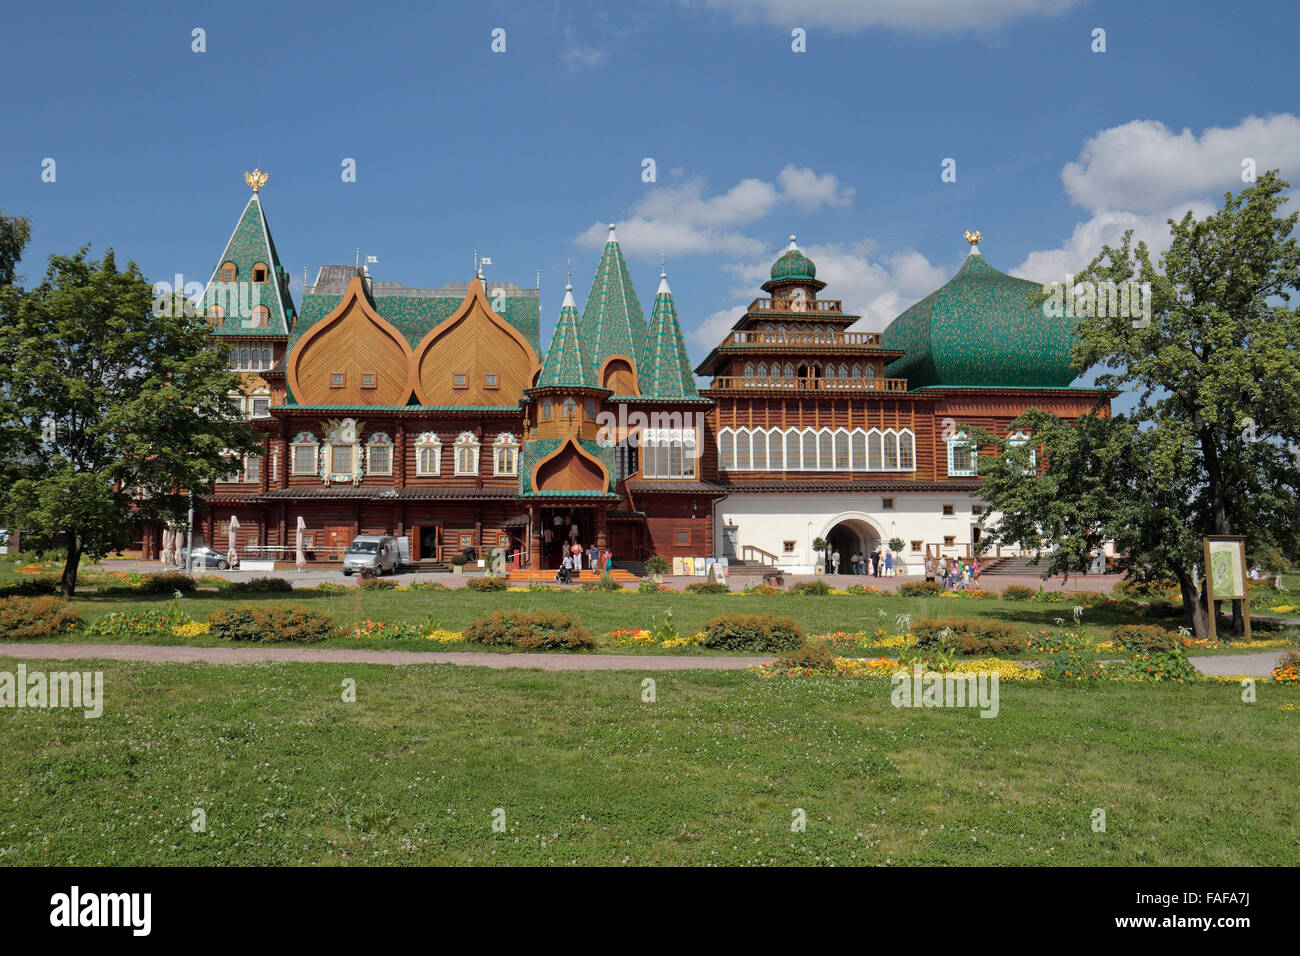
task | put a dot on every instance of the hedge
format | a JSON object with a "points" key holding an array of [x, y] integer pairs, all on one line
{"points": [[536, 631], [271, 623], [752, 632], [28, 618], [968, 635]]}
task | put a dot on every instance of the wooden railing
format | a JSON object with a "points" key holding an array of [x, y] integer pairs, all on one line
{"points": [[750, 553], [761, 337], [796, 305], [736, 382]]}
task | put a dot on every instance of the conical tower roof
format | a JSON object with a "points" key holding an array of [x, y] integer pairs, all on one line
{"points": [[564, 364], [612, 320], [249, 245], [669, 375]]}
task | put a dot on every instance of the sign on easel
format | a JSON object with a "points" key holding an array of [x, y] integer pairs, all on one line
{"points": [[1225, 575]]}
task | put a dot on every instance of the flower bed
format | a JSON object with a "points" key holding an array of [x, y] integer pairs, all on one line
{"points": [[382, 630]]}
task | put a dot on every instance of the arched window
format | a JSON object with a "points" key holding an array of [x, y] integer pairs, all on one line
{"points": [[726, 449], [793, 456], [260, 272], [1022, 438], [857, 371], [261, 317], [245, 359], [216, 315], [869, 371], [749, 373], [826, 447], [467, 449], [762, 370], [742, 450], [859, 447], [775, 450], [428, 454], [875, 453], [809, 443], [547, 407], [570, 407], [841, 450], [505, 455], [789, 375], [228, 272], [844, 370], [891, 451], [268, 360], [906, 451]]}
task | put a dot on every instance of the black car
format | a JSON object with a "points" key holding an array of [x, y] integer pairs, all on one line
{"points": [[205, 557]]}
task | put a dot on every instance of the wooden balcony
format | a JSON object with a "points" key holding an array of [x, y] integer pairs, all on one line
{"points": [[797, 306], [807, 384], [757, 337]]}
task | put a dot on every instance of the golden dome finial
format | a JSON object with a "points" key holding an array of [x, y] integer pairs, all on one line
{"points": [[257, 179], [974, 237]]}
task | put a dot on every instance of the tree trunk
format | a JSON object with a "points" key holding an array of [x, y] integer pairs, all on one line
{"points": [[1193, 606], [1238, 619], [68, 584]]}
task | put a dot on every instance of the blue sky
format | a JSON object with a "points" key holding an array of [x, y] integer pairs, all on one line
{"points": [[526, 154]]}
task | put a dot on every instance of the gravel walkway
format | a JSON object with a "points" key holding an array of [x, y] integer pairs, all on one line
{"points": [[249, 655]]}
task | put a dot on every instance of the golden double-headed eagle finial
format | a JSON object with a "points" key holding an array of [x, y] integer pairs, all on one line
{"points": [[974, 237], [257, 179]]}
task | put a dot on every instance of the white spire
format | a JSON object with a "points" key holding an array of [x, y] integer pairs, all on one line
{"points": [[663, 285], [792, 245], [568, 302], [612, 237]]}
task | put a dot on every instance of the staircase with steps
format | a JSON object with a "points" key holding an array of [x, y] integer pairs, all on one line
{"points": [[1022, 566]]}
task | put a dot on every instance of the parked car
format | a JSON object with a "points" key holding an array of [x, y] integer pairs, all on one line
{"points": [[205, 557], [371, 554]]}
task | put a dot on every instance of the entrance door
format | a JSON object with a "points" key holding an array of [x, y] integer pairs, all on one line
{"points": [[337, 537], [730, 541], [427, 539]]}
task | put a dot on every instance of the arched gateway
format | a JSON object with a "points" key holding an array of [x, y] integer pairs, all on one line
{"points": [[848, 535]]}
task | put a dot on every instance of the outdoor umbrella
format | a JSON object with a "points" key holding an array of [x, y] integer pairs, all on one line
{"points": [[231, 556], [166, 546], [302, 558]]}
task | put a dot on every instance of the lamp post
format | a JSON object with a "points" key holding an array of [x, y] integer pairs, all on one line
{"points": [[189, 537]]}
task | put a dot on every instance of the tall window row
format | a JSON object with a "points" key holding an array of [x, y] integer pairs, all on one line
{"points": [[784, 376], [309, 455], [816, 449], [668, 453]]}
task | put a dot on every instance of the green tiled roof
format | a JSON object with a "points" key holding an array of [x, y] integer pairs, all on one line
{"points": [[250, 244], [982, 328], [535, 450], [669, 374], [794, 265], [564, 364], [612, 320]]}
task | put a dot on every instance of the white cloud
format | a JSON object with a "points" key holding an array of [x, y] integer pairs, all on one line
{"points": [[714, 329], [682, 219], [1145, 166], [578, 56], [921, 16]]}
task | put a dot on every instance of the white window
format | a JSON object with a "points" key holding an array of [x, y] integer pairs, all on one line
{"points": [[304, 452], [793, 459], [906, 451], [505, 455], [467, 449], [809, 442], [1022, 438], [826, 448], [232, 461], [760, 449], [341, 459], [891, 451], [859, 461], [726, 450], [742, 450], [841, 450], [252, 469], [379, 454], [237, 401], [875, 452], [776, 450], [671, 452], [428, 455], [961, 456]]}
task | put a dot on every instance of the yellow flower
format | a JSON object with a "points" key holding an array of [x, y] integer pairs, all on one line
{"points": [[443, 636]]}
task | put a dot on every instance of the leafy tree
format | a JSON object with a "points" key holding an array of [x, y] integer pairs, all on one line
{"points": [[14, 233], [113, 407], [1209, 447]]}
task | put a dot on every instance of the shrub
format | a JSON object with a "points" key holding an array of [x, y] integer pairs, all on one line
{"points": [[752, 632], [167, 582], [657, 564], [259, 585], [1143, 638], [486, 584], [459, 560], [272, 623], [815, 654], [330, 587], [428, 586], [150, 622], [648, 585], [810, 587], [1158, 665], [377, 584], [1017, 592], [968, 635], [1287, 670], [707, 587], [28, 618], [863, 589], [606, 583], [31, 587], [535, 631], [920, 589]]}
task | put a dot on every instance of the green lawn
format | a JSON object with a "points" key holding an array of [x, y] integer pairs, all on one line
{"points": [[585, 772]]}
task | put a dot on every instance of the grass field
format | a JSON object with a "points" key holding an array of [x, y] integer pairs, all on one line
{"points": [[585, 772]]}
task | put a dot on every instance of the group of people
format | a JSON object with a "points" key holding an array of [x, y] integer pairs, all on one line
{"points": [[953, 573], [573, 554], [877, 564]]}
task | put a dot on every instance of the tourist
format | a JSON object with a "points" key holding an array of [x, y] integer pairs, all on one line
{"points": [[835, 562], [548, 542], [889, 564], [575, 556], [929, 569], [975, 572], [943, 572], [564, 574], [573, 530], [593, 557], [609, 560], [857, 562]]}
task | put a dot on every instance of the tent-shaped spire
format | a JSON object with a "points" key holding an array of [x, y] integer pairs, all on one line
{"points": [[612, 320], [669, 375], [565, 363], [250, 248]]}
